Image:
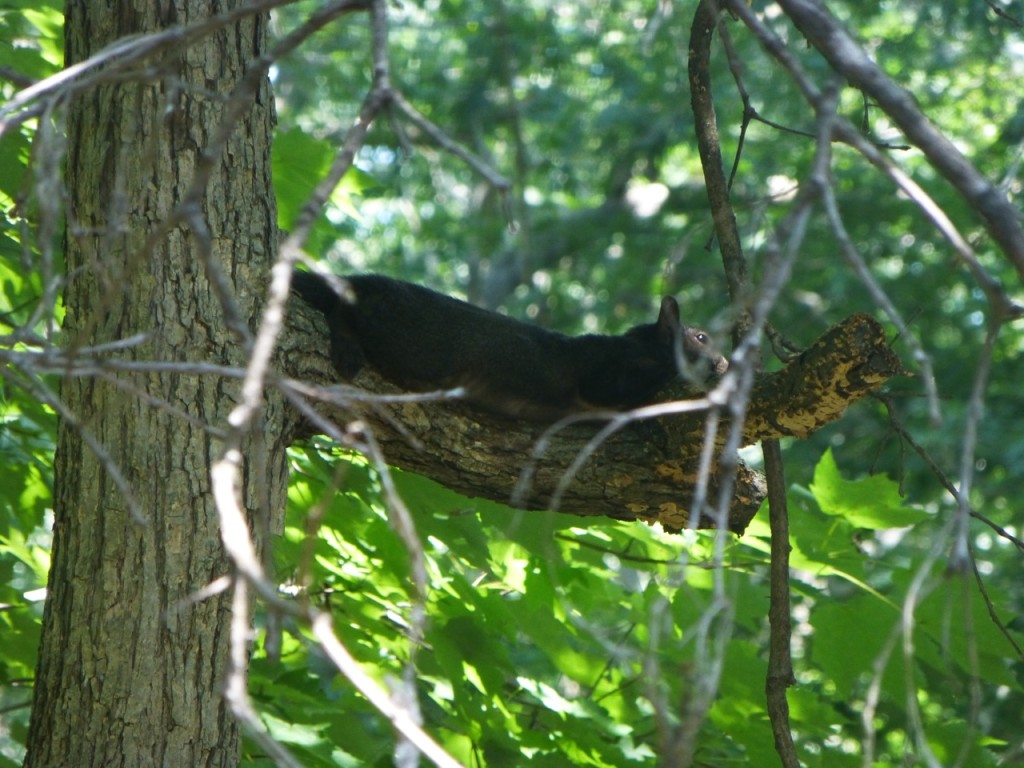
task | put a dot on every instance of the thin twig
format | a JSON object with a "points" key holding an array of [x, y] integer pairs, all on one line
{"points": [[780, 662]]}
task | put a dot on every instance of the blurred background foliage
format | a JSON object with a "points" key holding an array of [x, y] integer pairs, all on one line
{"points": [[554, 643]]}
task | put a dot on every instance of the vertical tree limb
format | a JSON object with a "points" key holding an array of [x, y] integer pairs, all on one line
{"points": [[780, 670]]}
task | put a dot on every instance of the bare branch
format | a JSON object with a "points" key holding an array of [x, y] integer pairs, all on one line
{"points": [[849, 58], [780, 662], [124, 52], [959, 557], [847, 133]]}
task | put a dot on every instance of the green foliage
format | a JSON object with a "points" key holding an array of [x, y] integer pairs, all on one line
{"points": [[27, 440], [300, 161], [31, 41], [553, 642], [31, 37], [549, 641]]}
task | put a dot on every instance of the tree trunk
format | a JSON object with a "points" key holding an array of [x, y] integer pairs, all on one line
{"points": [[130, 670]]}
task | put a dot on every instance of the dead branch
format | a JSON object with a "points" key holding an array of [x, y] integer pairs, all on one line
{"points": [[850, 360]]}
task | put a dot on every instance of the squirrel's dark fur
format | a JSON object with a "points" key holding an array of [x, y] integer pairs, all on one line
{"points": [[422, 340]]}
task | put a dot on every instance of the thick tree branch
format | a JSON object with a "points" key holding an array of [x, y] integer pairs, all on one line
{"points": [[645, 470]]}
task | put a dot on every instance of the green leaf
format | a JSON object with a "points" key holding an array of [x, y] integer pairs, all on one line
{"points": [[872, 502], [300, 162]]}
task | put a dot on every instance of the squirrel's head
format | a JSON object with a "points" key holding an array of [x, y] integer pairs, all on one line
{"points": [[696, 344]]}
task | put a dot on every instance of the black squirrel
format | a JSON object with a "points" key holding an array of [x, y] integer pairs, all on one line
{"points": [[422, 340]]}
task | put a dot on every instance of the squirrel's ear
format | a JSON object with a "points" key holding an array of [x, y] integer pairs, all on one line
{"points": [[668, 317]]}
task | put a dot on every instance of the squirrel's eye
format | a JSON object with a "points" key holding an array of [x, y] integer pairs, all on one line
{"points": [[702, 338]]}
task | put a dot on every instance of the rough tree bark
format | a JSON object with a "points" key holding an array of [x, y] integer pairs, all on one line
{"points": [[130, 670]]}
